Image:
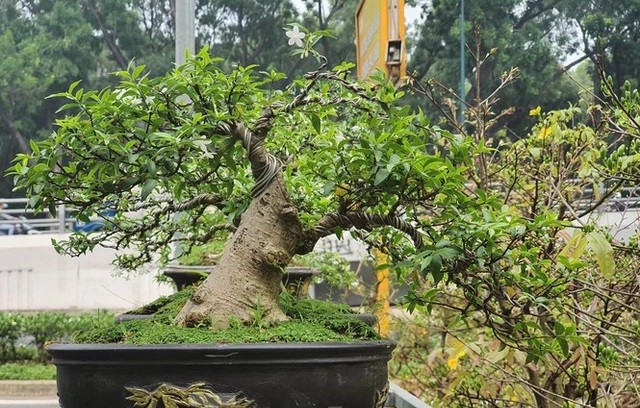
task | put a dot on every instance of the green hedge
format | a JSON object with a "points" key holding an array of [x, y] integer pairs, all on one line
{"points": [[30, 371], [11, 325], [41, 329]]}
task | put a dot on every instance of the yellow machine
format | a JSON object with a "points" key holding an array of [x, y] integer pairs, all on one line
{"points": [[380, 44], [380, 38]]}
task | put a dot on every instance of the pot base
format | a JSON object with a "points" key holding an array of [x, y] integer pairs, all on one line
{"points": [[266, 375]]}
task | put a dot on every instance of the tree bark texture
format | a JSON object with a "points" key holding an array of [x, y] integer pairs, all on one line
{"points": [[246, 282], [23, 143]]}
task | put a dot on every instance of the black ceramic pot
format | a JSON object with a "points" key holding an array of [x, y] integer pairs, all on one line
{"points": [[267, 375], [184, 276], [295, 279]]}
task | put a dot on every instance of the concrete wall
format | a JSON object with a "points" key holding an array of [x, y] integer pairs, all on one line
{"points": [[622, 224], [34, 277]]}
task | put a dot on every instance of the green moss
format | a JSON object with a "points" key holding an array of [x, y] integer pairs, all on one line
{"points": [[108, 333], [150, 332], [311, 321], [165, 304], [17, 371], [333, 316]]}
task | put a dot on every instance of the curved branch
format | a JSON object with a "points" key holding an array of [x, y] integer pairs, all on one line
{"points": [[358, 220], [264, 165], [197, 201], [201, 200], [264, 123]]}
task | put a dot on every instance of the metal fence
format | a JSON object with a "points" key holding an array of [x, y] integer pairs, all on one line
{"points": [[17, 218]]}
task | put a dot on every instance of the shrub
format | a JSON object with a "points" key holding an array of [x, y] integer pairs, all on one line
{"points": [[10, 330], [46, 327], [15, 371], [41, 329]]}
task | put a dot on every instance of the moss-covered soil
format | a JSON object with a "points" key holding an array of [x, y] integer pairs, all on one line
{"points": [[310, 321]]}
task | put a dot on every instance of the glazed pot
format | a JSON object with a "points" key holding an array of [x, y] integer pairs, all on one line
{"points": [[264, 375]]}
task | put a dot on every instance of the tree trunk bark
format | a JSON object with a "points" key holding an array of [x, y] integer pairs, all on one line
{"points": [[246, 282], [109, 40], [16, 134]]}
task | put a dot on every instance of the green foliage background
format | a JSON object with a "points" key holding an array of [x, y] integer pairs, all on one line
{"points": [[46, 45]]}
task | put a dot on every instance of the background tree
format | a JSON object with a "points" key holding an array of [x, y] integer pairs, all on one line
{"points": [[606, 35], [250, 32], [133, 30], [337, 16], [523, 34], [549, 318], [44, 45], [247, 32]]}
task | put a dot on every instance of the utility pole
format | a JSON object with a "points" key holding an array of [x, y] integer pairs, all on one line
{"points": [[463, 76], [185, 29], [185, 41]]}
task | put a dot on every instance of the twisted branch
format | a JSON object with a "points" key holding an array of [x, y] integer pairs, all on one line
{"points": [[360, 221], [197, 201], [264, 165]]}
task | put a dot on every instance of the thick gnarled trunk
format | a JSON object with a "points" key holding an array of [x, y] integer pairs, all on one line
{"points": [[247, 278]]}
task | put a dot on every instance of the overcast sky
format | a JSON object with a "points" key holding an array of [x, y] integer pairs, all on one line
{"points": [[411, 14]]}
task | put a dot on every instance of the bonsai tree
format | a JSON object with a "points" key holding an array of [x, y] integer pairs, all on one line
{"points": [[202, 151]]}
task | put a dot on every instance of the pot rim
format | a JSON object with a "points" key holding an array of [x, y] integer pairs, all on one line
{"points": [[222, 354]]}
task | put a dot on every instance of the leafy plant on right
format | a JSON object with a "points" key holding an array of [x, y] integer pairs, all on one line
{"points": [[549, 314]]}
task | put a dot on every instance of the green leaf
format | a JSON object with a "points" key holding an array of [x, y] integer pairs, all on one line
{"points": [[147, 188], [34, 146], [437, 276], [603, 251], [137, 71], [436, 264], [53, 210], [558, 328], [151, 167], [381, 175], [315, 121], [393, 161], [73, 86], [576, 246], [564, 346], [329, 188], [430, 294]]}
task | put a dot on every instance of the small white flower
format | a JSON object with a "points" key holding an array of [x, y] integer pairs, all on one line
{"points": [[295, 36], [203, 145]]}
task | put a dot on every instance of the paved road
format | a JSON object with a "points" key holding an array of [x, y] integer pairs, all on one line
{"points": [[32, 402]]}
